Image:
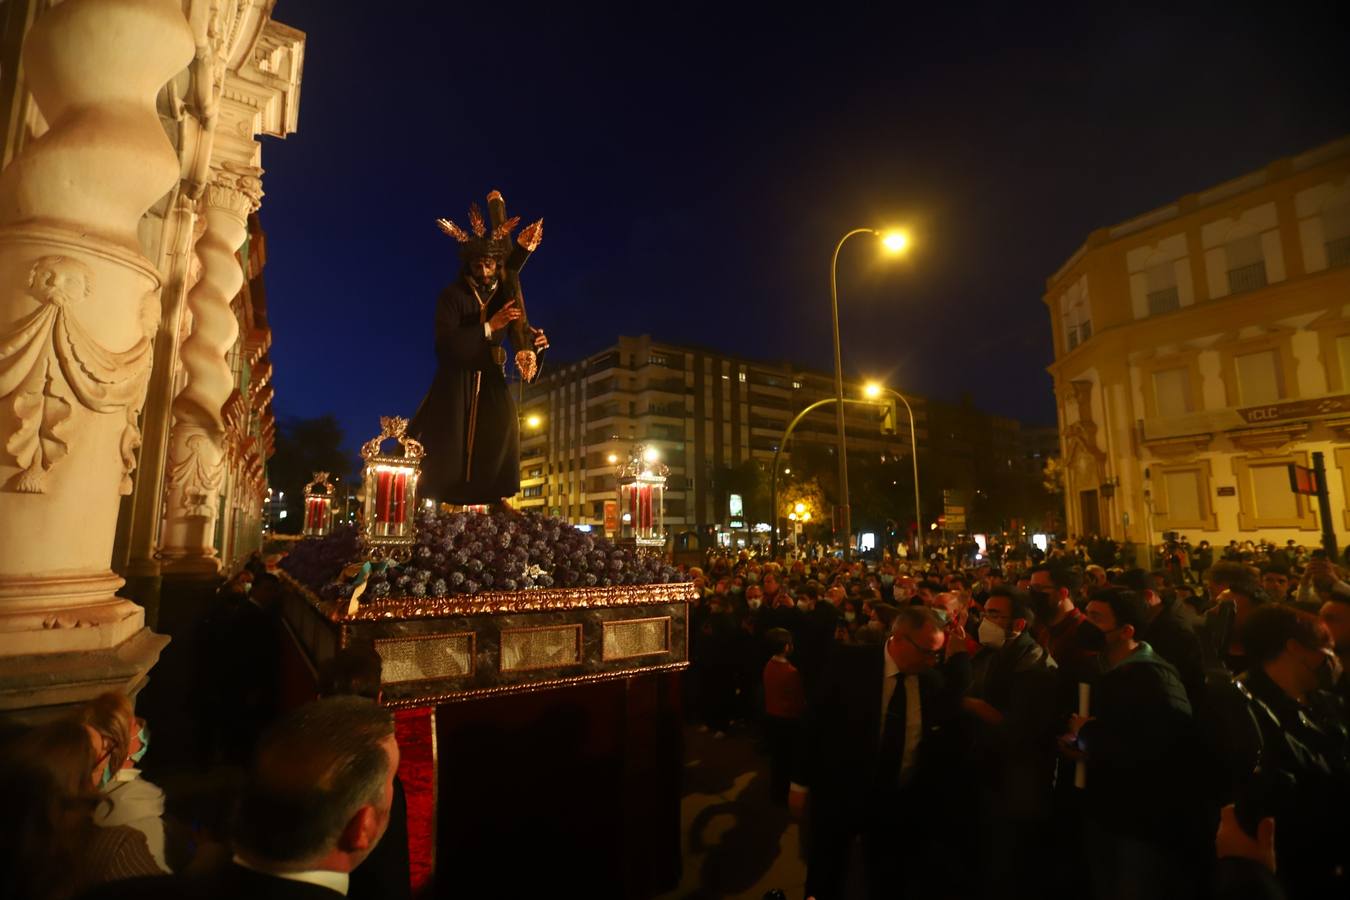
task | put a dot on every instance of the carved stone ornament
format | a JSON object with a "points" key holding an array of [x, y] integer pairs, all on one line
{"points": [[235, 188], [198, 479], [48, 362]]}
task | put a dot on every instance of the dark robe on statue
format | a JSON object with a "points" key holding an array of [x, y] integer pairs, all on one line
{"points": [[451, 473]]}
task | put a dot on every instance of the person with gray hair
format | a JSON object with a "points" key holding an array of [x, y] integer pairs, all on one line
{"points": [[892, 713], [315, 804]]}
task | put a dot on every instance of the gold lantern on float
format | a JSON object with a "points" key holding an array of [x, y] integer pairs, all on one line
{"points": [[642, 496], [318, 506], [390, 487]]}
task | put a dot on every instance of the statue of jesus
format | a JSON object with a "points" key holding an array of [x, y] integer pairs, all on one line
{"points": [[468, 421]]}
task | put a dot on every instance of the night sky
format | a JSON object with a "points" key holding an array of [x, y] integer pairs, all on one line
{"points": [[695, 170]]}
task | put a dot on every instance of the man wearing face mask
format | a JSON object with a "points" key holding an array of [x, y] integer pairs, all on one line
{"points": [[1300, 744], [1146, 827], [1013, 698]]}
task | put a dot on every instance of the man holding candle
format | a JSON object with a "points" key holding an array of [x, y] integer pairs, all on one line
{"points": [[1146, 828]]}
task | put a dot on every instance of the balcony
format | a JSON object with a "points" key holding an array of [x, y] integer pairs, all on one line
{"points": [[1338, 252], [1163, 301], [1251, 277]]}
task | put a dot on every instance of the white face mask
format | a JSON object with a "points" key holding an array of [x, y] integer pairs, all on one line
{"points": [[992, 634]]}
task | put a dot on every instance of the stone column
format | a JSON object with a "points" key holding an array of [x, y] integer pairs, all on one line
{"points": [[79, 305], [196, 469]]}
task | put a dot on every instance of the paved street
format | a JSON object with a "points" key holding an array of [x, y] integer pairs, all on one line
{"points": [[735, 843]]}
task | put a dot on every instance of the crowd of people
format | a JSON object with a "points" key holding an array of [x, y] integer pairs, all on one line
{"points": [[955, 726], [946, 727]]}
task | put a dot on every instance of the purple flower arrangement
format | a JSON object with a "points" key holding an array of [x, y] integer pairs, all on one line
{"points": [[460, 554]]}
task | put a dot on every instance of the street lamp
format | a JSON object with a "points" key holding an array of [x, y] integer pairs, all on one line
{"points": [[533, 420], [875, 390], [895, 243]]}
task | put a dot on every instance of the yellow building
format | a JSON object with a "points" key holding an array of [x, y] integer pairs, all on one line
{"points": [[1200, 349]]}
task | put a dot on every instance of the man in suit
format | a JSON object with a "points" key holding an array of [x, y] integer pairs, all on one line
{"points": [[880, 751], [316, 803]]}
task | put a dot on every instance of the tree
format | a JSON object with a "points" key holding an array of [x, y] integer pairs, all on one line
{"points": [[306, 446]]}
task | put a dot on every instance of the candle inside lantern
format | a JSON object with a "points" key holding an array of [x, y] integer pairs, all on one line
{"points": [[400, 497], [384, 481]]}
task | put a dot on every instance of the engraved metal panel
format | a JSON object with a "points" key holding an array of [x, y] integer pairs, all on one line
{"points": [[524, 649], [636, 637], [425, 658]]}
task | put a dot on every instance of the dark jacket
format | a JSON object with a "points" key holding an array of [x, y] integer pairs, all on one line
{"points": [[1303, 781], [1143, 753], [1173, 640], [1015, 759], [841, 733], [231, 883]]}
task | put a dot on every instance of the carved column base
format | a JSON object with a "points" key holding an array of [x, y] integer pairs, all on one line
{"points": [[196, 474], [39, 685]]}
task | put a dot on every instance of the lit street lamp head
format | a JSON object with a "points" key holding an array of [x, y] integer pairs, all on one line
{"points": [[872, 389], [534, 421], [896, 242]]}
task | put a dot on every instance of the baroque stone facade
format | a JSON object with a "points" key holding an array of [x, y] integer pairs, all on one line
{"points": [[135, 416]]}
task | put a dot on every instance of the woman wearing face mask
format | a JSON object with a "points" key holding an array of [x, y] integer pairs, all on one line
{"points": [[122, 741]]}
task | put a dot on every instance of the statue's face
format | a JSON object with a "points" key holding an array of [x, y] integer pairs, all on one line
{"points": [[483, 269]]}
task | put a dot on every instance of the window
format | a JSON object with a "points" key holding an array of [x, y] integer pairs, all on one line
{"points": [[1258, 378], [796, 385], [740, 376], [1172, 390], [1162, 289], [1183, 496], [1270, 491], [536, 490], [1246, 264], [1336, 233], [1265, 500], [658, 359]]}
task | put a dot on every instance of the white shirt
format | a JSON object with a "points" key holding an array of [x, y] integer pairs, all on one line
{"points": [[913, 712], [334, 881]]}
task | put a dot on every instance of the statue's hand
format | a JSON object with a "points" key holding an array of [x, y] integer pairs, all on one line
{"points": [[528, 364], [540, 340]]}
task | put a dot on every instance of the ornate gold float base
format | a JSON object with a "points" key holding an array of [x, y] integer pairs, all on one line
{"points": [[443, 651]]}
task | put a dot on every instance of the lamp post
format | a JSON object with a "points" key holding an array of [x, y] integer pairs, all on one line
{"points": [[773, 477], [876, 390], [895, 242]]}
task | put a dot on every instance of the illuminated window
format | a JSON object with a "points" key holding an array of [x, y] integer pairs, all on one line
{"points": [[741, 377], [1172, 390], [1258, 378]]}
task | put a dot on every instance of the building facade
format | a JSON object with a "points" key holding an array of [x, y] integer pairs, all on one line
{"points": [[134, 380], [1203, 347], [706, 412]]}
